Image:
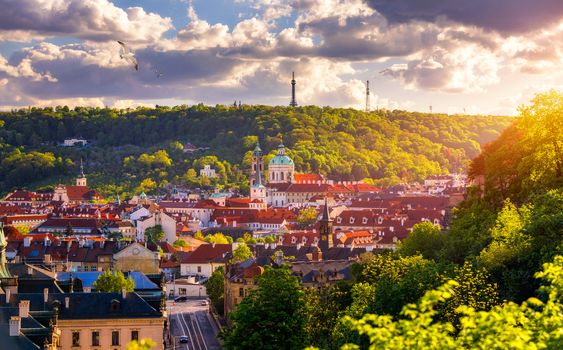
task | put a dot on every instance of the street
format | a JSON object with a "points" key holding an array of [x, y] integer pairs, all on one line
{"points": [[193, 320]]}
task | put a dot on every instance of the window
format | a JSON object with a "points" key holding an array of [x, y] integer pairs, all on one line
{"points": [[115, 338], [241, 292], [182, 291], [338, 220], [352, 219], [95, 338], [79, 268], [364, 220], [199, 269], [75, 338], [134, 335]]}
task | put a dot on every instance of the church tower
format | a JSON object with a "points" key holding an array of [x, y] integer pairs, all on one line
{"points": [[81, 179], [325, 231], [257, 164], [293, 102], [257, 190]]}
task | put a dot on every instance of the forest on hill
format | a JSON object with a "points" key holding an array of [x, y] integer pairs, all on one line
{"points": [[494, 280], [141, 149]]}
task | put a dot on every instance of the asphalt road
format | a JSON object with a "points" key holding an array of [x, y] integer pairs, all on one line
{"points": [[192, 319]]}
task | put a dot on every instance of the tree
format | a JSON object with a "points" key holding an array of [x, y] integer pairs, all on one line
{"points": [[270, 317], [307, 217], [154, 234], [425, 239], [198, 235], [534, 324], [143, 344], [241, 253], [218, 238], [180, 243], [543, 127], [113, 282], [215, 289]]}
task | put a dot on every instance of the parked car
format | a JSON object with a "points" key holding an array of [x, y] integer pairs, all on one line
{"points": [[184, 339], [181, 299]]}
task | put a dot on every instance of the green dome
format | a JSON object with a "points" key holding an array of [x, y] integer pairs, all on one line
{"points": [[281, 160]]}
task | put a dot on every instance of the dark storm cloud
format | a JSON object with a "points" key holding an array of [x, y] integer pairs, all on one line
{"points": [[506, 16]]}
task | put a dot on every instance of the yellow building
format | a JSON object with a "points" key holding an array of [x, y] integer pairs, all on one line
{"points": [[136, 257]]}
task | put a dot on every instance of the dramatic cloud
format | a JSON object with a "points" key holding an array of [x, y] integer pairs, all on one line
{"points": [[444, 48], [98, 20], [512, 16]]}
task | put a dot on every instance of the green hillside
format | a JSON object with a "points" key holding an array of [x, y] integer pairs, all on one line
{"points": [[343, 144]]}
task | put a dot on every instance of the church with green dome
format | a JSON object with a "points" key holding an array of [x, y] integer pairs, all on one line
{"points": [[281, 168]]}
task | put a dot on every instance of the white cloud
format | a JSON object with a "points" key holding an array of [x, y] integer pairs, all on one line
{"points": [[97, 20]]}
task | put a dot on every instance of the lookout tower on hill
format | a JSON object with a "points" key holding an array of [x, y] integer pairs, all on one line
{"points": [[293, 102]]}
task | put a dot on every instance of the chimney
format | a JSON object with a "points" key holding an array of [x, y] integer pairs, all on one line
{"points": [[24, 308], [45, 295], [67, 302], [15, 325], [123, 293], [8, 293]]}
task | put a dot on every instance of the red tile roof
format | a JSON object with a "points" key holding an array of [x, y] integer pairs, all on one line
{"points": [[207, 253]]}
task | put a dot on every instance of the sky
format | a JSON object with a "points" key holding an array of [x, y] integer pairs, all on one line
{"points": [[454, 56]]}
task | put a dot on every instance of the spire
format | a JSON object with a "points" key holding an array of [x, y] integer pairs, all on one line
{"points": [[81, 168], [293, 102], [326, 213], [257, 150]]}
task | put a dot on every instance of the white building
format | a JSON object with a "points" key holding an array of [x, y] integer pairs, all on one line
{"points": [[208, 172], [74, 142]]}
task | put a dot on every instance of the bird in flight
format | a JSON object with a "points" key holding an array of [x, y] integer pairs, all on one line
{"points": [[127, 55]]}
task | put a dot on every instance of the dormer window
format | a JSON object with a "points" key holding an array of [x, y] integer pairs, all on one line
{"points": [[352, 219], [364, 220], [338, 220]]}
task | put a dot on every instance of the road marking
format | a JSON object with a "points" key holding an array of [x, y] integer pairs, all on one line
{"points": [[180, 318], [199, 328], [194, 335]]}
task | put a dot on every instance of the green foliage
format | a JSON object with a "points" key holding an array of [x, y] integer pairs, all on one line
{"points": [[143, 344], [532, 325], [508, 238], [179, 243], [425, 239], [307, 217], [113, 282], [218, 238], [154, 234], [270, 317], [198, 235], [241, 253], [215, 287], [128, 146]]}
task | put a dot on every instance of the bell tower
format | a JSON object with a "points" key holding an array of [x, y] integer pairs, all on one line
{"points": [[325, 230], [257, 164], [81, 179]]}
